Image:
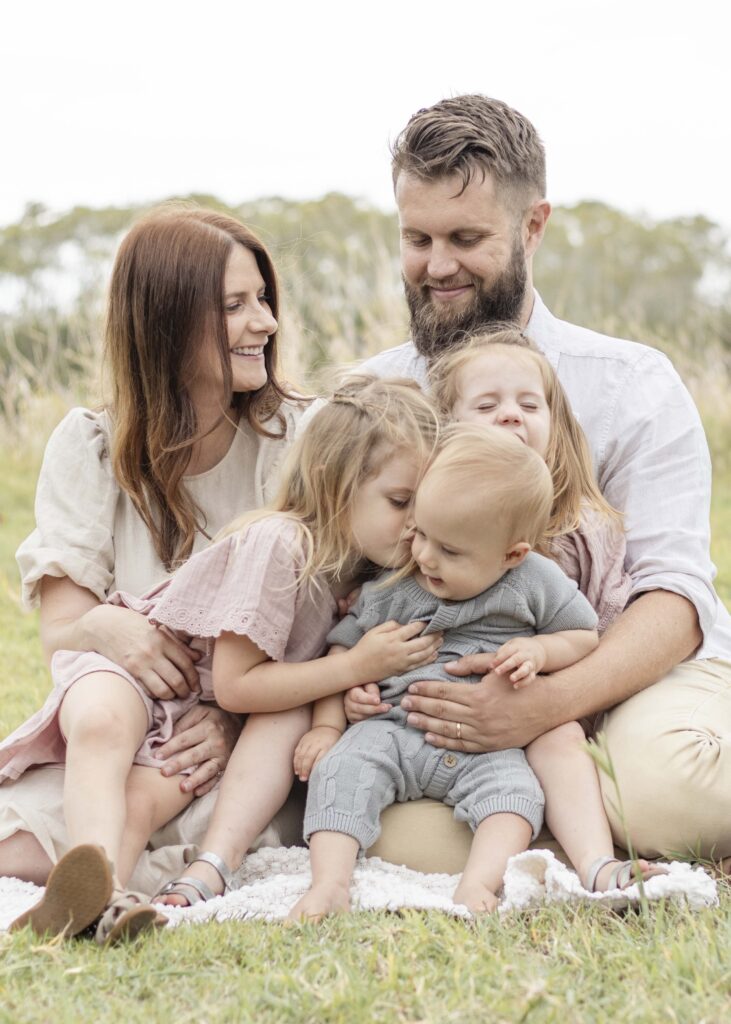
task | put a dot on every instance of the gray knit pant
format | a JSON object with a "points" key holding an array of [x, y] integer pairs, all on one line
{"points": [[380, 761]]}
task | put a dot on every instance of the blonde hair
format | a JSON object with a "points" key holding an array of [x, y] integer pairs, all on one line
{"points": [[347, 442], [506, 478], [567, 456]]}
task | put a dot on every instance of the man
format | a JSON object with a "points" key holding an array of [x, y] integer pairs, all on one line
{"points": [[469, 178]]}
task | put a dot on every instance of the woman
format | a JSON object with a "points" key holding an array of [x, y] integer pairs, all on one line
{"points": [[194, 434]]}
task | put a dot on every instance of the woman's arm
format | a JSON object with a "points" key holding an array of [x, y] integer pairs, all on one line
{"points": [[72, 619], [244, 680]]}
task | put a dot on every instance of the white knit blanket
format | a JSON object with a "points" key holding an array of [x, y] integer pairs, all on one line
{"points": [[272, 880]]}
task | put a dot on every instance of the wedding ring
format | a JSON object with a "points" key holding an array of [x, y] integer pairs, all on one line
{"points": [[459, 731]]}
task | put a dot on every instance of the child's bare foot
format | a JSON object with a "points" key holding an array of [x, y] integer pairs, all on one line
{"points": [[207, 876], [321, 901], [476, 897], [607, 873]]}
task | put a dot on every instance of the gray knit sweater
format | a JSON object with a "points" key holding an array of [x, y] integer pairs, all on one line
{"points": [[536, 597]]}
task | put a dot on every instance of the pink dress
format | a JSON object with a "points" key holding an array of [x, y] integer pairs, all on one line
{"points": [[593, 556], [243, 584]]}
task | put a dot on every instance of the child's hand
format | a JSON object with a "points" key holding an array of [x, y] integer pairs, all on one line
{"points": [[346, 603], [523, 658], [364, 701], [312, 748], [390, 649]]}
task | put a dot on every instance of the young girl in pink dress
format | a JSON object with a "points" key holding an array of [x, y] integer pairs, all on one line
{"points": [[501, 379], [254, 605]]}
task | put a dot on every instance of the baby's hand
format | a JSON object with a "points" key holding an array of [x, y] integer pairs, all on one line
{"points": [[390, 649], [346, 603], [364, 701], [312, 748], [523, 658]]}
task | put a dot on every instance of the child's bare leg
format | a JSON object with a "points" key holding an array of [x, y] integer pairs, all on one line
{"points": [[574, 808], [496, 840], [152, 801], [255, 785], [104, 721], [332, 857]]}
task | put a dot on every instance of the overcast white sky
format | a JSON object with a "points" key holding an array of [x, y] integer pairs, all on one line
{"points": [[114, 103]]}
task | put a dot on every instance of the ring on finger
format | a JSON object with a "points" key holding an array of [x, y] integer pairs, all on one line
{"points": [[459, 731]]}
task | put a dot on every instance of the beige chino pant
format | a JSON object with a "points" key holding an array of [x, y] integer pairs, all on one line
{"points": [[670, 746]]}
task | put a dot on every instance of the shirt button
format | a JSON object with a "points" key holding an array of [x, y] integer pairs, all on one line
{"points": [[450, 760]]}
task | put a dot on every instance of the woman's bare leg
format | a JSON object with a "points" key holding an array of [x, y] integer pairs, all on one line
{"points": [[22, 856]]}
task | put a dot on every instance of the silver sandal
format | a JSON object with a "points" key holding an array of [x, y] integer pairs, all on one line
{"points": [[620, 878], [198, 891]]}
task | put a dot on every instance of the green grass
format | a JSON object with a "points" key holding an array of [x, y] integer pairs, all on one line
{"points": [[559, 964]]}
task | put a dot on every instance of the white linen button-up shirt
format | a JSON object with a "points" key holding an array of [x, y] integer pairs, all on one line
{"points": [[649, 450]]}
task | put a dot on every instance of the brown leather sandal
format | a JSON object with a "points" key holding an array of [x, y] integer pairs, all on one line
{"points": [[127, 915], [77, 891]]}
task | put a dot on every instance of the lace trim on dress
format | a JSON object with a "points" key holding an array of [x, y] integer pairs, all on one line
{"points": [[202, 622]]}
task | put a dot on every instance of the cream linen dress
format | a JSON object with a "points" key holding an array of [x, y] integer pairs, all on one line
{"points": [[87, 529]]}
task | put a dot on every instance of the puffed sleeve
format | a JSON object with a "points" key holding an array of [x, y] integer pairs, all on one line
{"points": [[244, 584], [593, 556], [75, 505], [555, 600]]}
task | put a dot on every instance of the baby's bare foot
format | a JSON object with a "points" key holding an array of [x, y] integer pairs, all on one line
{"points": [[476, 897], [321, 901]]}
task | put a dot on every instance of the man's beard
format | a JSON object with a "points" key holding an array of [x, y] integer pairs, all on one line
{"points": [[435, 329]]}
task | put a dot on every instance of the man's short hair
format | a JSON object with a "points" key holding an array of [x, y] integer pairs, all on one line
{"points": [[469, 134]]}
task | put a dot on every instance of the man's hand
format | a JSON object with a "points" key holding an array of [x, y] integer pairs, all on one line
{"points": [[203, 738], [363, 702], [491, 714], [649, 638], [312, 748]]}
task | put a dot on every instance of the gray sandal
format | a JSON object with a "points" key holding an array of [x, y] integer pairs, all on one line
{"points": [[126, 916], [193, 889], [621, 877]]}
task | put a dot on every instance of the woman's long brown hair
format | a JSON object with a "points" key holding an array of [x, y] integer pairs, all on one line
{"points": [[165, 300]]}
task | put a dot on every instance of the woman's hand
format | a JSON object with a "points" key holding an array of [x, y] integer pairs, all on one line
{"points": [[204, 737], [312, 748], [162, 664], [491, 714], [363, 702], [390, 649]]}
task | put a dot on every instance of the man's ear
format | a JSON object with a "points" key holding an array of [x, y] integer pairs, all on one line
{"points": [[516, 554], [534, 224]]}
